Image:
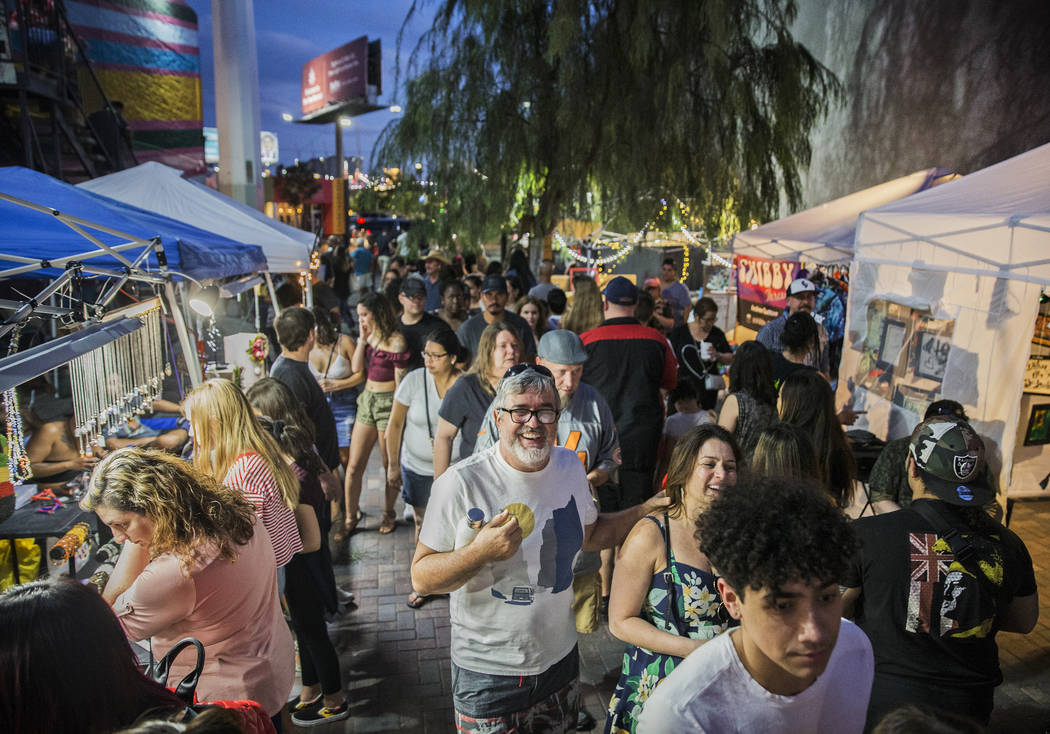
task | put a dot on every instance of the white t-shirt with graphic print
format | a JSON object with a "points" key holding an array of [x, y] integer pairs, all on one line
{"points": [[514, 617]]}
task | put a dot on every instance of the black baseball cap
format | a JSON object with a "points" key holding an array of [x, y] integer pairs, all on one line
{"points": [[494, 282], [412, 286], [950, 458]]}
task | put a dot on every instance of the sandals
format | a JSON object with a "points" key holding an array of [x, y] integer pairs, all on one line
{"points": [[388, 523], [340, 534], [415, 601]]}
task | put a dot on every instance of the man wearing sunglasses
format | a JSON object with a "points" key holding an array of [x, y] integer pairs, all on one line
{"points": [[501, 533]]}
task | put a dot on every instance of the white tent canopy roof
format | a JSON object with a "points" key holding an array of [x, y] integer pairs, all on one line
{"points": [[824, 234], [163, 190], [993, 222]]}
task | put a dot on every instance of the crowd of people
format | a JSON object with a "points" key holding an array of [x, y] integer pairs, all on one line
{"points": [[567, 463]]}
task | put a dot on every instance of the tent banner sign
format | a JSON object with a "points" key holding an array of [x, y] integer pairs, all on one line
{"points": [[761, 289]]}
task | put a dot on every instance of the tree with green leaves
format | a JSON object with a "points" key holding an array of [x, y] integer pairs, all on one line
{"points": [[528, 111], [297, 185]]}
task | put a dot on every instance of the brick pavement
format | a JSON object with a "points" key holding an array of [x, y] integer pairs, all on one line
{"points": [[396, 662]]}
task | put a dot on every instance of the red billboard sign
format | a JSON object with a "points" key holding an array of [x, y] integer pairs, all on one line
{"points": [[336, 76]]}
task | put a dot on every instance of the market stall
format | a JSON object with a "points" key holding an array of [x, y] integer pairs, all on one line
{"points": [[160, 189], [820, 240], [944, 299]]}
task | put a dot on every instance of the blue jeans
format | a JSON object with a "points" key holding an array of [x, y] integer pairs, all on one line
{"points": [[549, 701]]}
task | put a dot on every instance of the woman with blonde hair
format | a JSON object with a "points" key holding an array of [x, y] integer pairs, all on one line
{"points": [[383, 354], [587, 311], [464, 406], [664, 601], [209, 573], [231, 447]]}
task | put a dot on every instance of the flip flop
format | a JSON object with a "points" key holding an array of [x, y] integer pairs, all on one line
{"points": [[415, 601]]}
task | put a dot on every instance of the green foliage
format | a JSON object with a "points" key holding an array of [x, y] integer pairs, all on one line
{"points": [[528, 111], [298, 185]]}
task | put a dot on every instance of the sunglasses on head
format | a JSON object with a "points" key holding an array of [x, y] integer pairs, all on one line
{"points": [[525, 366]]}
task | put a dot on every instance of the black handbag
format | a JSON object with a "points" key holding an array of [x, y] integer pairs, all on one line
{"points": [[159, 669]]}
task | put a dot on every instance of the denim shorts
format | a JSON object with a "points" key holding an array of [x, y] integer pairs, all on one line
{"points": [[344, 410], [548, 702], [415, 488]]}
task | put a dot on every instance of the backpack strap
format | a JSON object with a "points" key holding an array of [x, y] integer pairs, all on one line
{"points": [[961, 547]]}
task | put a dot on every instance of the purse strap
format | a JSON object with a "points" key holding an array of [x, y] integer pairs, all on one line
{"points": [[426, 403], [670, 581], [187, 687]]}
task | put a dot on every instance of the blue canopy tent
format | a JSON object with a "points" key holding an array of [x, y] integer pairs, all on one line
{"points": [[43, 219], [46, 224]]}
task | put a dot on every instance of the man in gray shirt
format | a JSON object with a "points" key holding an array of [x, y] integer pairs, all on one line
{"points": [[494, 308]]}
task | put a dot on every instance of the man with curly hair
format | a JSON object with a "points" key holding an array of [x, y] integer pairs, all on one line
{"points": [[780, 549]]}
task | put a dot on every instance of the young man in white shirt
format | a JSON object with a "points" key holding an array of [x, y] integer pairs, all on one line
{"points": [[793, 664]]}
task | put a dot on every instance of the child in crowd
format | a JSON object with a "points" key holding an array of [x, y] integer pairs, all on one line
{"points": [[793, 664]]}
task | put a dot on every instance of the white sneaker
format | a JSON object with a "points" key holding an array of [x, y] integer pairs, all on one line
{"points": [[410, 516]]}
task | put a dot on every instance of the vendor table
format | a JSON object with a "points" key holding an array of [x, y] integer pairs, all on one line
{"points": [[26, 522]]}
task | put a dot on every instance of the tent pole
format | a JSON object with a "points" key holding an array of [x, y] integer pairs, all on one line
{"points": [[273, 294], [189, 354]]}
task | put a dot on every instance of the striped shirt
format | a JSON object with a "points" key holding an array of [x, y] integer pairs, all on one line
{"points": [[250, 475]]}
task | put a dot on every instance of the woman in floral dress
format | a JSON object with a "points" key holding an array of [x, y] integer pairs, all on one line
{"points": [[664, 601]]}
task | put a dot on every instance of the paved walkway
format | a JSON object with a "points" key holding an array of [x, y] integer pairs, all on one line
{"points": [[396, 662]]}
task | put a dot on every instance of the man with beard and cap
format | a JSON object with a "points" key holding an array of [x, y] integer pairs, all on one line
{"points": [[501, 533], [801, 295], [494, 308], [934, 582]]}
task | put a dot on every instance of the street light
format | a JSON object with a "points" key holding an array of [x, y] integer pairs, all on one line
{"points": [[344, 121], [395, 108], [286, 116]]}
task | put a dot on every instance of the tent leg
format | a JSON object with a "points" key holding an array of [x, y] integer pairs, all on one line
{"points": [[273, 294], [189, 354]]}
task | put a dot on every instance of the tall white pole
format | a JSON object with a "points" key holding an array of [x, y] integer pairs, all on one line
{"points": [[237, 99]]}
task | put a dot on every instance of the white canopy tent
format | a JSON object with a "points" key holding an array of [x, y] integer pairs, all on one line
{"points": [[161, 189], [974, 252], [824, 234]]}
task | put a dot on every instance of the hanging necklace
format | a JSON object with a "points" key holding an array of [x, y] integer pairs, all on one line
{"points": [[17, 460]]}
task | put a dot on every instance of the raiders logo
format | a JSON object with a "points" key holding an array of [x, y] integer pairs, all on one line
{"points": [[964, 466]]}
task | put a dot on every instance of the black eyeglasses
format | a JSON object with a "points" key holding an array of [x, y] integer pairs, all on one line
{"points": [[546, 416], [524, 367]]}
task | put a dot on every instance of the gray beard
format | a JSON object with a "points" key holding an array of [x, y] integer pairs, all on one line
{"points": [[531, 457]]}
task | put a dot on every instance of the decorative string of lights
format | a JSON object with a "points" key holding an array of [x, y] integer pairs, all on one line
{"points": [[623, 248]]}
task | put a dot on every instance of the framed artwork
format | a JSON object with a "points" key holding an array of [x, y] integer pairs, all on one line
{"points": [[891, 341], [1038, 432], [931, 358]]}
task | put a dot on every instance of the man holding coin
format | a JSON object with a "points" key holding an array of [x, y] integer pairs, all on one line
{"points": [[514, 654]]}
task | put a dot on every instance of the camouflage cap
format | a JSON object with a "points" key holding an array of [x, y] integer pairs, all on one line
{"points": [[950, 457]]}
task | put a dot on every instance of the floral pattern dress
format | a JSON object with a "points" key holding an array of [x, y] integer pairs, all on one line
{"points": [[698, 602]]}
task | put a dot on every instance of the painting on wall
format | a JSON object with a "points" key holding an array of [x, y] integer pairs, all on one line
{"points": [[1038, 431]]}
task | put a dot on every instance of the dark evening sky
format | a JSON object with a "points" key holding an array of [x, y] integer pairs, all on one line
{"points": [[288, 34]]}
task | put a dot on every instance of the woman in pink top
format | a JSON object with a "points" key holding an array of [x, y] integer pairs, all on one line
{"points": [[211, 574], [231, 447]]}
